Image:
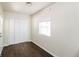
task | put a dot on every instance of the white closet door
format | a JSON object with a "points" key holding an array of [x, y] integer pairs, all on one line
{"points": [[12, 38], [18, 30], [21, 29]]}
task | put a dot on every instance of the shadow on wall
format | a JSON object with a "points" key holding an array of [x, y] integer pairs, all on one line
{"points": [[77, 54]]}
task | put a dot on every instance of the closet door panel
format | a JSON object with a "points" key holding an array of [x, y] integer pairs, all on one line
{"points": [[11, 30]]}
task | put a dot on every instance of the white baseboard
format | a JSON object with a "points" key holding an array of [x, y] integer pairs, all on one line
{"points": [[45, 49], [16, 43], [34, 43]]}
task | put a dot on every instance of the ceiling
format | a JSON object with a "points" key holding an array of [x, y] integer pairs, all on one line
{"points": [[21, 7]]}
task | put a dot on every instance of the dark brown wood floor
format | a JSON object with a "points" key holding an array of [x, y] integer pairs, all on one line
{"points": [[27, 49]]}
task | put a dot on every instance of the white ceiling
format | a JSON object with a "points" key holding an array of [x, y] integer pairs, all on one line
{"points": [[21, 7]]}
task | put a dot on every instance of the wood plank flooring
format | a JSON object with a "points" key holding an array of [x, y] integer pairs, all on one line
{"points": [[27, 49]]}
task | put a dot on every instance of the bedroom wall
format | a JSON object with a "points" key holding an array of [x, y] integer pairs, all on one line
{"points": [[64, 39]]}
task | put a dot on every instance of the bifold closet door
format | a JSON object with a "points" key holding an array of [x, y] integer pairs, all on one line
{"points": [[16, 28], [20, 30], [11, 29]]}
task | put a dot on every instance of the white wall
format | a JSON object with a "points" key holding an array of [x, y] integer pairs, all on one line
{"points": [[43, 41], [17, 28], [64, 40]]}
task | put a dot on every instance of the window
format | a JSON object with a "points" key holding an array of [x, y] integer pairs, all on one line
{"points": [[44, 28], [1, 20]]}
